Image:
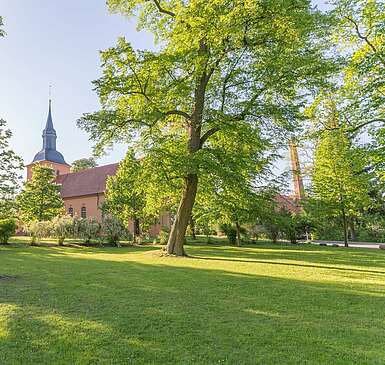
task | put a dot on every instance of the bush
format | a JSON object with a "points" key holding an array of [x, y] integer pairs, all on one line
{"points": [[230, 232], [164, 235], [38, 230], [87, 229], [62, 228], [7, 229], [113, 230]]}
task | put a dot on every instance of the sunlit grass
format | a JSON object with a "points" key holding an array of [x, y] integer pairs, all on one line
{"points": [[262, 304]]}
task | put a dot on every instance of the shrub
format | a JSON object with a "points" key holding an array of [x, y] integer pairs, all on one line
{"points": [[62, 228], [87, 229], [113, 229], [38, 230], [163, 235], [230, 232], [7, 229]]}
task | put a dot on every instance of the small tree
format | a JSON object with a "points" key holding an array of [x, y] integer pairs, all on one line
{"points": [[7, 229], [87, 229], [125, 195], [62, 228], [83, 164], [113, 229], [38, 230], [40, 200]]}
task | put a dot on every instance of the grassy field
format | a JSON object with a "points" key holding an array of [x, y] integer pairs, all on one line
{"points": [[262, 304]]}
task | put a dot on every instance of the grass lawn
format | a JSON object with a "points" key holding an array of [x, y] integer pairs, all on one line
{"points": [[262, 304]]}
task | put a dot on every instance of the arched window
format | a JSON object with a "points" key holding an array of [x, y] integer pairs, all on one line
{"points": [[83, 212], [71, 211]]}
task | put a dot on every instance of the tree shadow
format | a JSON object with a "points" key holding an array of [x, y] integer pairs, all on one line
{"points": [[67, 309]]}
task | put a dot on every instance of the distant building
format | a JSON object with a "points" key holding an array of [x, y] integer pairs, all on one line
{"points": [[83, 192]]}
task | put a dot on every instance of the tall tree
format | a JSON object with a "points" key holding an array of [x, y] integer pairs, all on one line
{"points": [[339, 182], [10, 166], [83, 164], [40, 199], [222, 67]]}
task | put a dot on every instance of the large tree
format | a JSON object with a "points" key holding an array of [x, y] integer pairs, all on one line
{"points": [[10, 165], [40, 199], [223, 68]]}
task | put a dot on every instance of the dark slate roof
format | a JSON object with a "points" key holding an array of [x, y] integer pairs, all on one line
{"points": [[49, 155], [49, 152], [86, 182]]}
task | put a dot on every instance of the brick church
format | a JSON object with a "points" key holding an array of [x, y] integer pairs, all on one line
{"points": [[83, 192]]}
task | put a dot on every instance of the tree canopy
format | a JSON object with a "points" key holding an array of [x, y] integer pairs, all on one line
{"points": [[223, 69], [40, 199]]}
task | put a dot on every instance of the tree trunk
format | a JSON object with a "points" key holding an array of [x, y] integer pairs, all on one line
{"points": [[352, 231], [345, 228], [136, 234], [178, 230], [238, 228], [192, 226]]}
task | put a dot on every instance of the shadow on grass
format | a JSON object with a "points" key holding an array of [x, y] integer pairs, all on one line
{"points": [[66, 309]]}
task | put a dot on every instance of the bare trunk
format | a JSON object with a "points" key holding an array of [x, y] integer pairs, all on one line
{"points": [[352, 231], [238, 228], [345, 228], [136, 234], [178, 230]]}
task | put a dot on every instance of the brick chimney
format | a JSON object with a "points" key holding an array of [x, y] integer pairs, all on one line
{"points": [[299, 192]]}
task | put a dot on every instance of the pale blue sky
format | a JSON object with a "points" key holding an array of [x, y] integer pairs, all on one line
{"points": [[56, 42]]}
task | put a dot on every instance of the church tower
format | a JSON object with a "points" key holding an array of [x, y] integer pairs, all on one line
{"points": [[49, 156]]}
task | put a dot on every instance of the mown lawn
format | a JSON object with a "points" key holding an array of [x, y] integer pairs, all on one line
{"points": [[263, 304]]}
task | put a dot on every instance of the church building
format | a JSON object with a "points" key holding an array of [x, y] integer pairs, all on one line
{"points": [[83, 192]]}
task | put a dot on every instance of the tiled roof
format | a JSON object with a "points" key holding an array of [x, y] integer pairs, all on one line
{"points": [[86, 182], [288, 203]]}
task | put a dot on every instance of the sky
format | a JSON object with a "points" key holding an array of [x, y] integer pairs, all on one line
{"points": [[57, 42]]}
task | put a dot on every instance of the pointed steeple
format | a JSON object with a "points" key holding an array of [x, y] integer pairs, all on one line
{"points": [[49, 133], [49, 152]]}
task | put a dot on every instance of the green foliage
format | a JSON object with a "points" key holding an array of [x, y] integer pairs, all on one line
{"points": [[38, 230], [62, 227], [224, 71], [125, 193], [230, 232], [10, 165], [83, 164], [40, 199], [113, 229], [87, 229], [7, 229], [340, 183]]}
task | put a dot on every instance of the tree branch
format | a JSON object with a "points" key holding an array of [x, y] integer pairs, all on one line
{"points": [[208, 134], [162, 10]]}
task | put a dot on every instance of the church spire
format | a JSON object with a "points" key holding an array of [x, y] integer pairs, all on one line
{"points": [[49, 133], [49, 152]]}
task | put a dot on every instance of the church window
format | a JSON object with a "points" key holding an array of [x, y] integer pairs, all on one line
{"points": [[83, 212], [71, 211]]}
